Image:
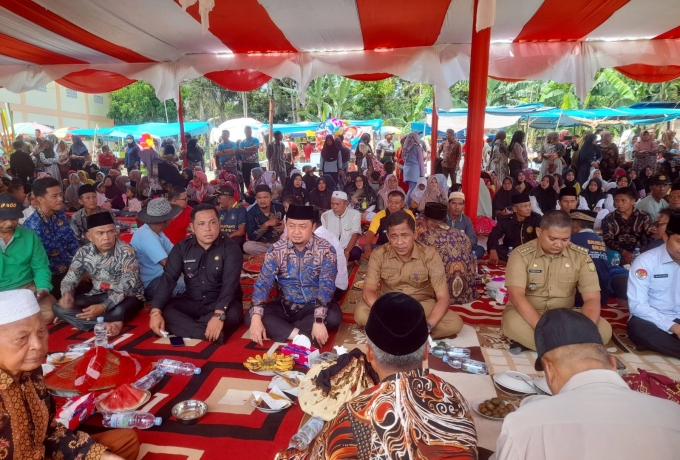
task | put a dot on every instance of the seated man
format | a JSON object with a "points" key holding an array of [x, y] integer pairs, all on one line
{"points": [[455, 250], [626, 228], [87, 197], [152, 246], [18, 191], [395, 202], [345, 223], [404, 265], [210, 261], [117, 291], [342, 278], [593, 410], [544, 274], [674, 197], [655, 202], [517, 229], [582, 234], [654, 322], [305, 267], [49, 222], [24, 263], [177, 230], [458, 220], [568, 199], [264, 222], [29, 429], [232, 215], [396, 336]]}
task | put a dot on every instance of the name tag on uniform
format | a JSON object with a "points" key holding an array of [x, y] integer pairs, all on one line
{"points": [[535, 271], [189, 261], [665, 275]]}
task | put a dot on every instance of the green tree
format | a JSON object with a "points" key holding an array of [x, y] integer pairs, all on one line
{"points": [[138, 104]]}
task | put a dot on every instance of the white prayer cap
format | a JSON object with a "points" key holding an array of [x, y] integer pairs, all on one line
{"points": [[16, 305], [339, 194]]}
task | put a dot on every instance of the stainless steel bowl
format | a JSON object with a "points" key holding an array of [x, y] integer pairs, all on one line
{"points": [[188, 412]]}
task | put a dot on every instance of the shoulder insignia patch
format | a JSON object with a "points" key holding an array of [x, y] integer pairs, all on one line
{"points": [[526, 249], [578, 248], [641, 273], [591, 266]]}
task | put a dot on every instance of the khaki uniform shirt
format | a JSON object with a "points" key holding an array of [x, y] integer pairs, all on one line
{"points": [[420, 277], [551, 281]]}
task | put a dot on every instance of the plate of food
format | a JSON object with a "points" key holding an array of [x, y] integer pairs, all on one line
{"points": [[493, 408], [267, 365], [254, 264], [359, 285], [272, 402], [515, 381], [123, 399], [57, 359], [542, 385], [288, 382]]}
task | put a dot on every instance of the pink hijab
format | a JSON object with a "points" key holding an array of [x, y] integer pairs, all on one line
{"points": [[200, 183], [386, 190]]}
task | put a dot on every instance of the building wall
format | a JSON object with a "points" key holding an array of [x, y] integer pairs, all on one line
{"points": [[58, 107]]}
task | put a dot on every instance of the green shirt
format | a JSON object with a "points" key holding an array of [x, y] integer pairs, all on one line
{"points": [[24, 261]]}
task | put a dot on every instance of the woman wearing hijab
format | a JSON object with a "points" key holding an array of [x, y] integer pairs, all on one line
{"points": [[668, 148], [100, 176], [521, 184], [610, 156], [363, 148], [500, 156], [320, 197], [592, 196], [502, 200], [442, 181], [544, 197], [551, 155], [644, 152], [84, 178], [589, 156], [294, 187], [569, 147], [569, 178], [331, 158], [199, 189], [113, 193], [194, 154], [433, 194], [528, 172], [391, 185], [621, 182], [256, 176], [50, 160], [484, 205], [187, 176], [417, 193], [518, 153], [351, 177], [414, 166], [64, 158], [71, 196], [77, 152], [362, 196]]}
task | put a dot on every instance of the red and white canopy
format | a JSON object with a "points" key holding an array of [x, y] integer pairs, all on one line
{"points": [[103, 45]]}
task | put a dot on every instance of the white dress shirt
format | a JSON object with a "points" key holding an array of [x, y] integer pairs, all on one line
{"points": [[342, 227], [654, 289], [342, 278], [595, 416]]}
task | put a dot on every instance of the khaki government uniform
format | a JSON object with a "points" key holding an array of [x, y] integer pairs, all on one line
{"points": [[420, 278], [549, 282]]}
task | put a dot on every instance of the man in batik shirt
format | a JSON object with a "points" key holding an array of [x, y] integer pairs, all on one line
{"points": [[455, 249], [87, 196], [117, 291], [305, 266], [410, 413], [626, 228]]}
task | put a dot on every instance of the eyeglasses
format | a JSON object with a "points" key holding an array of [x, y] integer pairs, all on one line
{"points": [[659, 224]]}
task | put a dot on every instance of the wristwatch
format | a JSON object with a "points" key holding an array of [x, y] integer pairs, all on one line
{"points": [[221, 316], [429, 326], [319, 320]]}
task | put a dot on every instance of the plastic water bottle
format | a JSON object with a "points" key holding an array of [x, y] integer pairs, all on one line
{"points": [[84, 347], [457, 352], [474, 367], [150, 380], [510, 250], [172, 366], [475, 266], [306, 434], [141, 420], [636, 253], [616, 261], [100, 337]]}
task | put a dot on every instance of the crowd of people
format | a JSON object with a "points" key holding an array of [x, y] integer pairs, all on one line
{"points": [[421, 252]]}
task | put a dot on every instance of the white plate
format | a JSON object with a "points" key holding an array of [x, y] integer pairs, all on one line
{"points": [[264, 373], [47, 368], [475, 407], [515, 381], [54, 358], [542, 385], [281, 384]]}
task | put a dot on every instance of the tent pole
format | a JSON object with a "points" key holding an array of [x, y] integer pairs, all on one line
{"points": [[180, 116], [479, 73], [433, 135]]}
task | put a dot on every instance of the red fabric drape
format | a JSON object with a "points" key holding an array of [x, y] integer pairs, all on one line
{"points": [[95, 81], [10, 46], [239, 80], [400, 23], [557, 20], [369, 76], [650, 73]]}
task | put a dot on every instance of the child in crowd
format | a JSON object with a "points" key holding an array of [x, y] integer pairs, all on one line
{"points": [[102, 201], [374, 180], [32, 206], [309, 178], [276, 193], [133, 205]]}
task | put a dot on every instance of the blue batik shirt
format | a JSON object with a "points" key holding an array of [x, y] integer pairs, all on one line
{"points": [[230, 160], [252, 142], [304, 277], [56, 236]]}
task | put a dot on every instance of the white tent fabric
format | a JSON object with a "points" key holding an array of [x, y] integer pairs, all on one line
{"points": [[235, 127], [458, 123]]}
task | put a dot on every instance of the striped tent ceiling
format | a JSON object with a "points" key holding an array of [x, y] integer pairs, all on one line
{"points": [[103, 45]]}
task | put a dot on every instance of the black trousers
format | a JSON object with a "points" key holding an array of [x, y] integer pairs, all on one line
{"points": [[124, 311], [279, 325], [188, 318], [82, 288], [619, 287], [646, 335], [354, 254], [246, 168]]}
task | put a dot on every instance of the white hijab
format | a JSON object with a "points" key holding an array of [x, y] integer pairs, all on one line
{"points": [[484, 207], [417, 194]]}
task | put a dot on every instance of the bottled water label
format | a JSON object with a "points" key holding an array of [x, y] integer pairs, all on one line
{"points": [[119, 420]]}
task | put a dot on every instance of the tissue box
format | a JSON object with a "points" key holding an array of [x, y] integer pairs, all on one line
{"points": [[501, 296], [76, 410], [301, 355]]}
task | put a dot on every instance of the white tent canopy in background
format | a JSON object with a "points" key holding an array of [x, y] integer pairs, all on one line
{"points": [[459, 122], [235, 127]]}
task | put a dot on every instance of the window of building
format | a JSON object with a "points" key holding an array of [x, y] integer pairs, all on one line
{"points": [[72, 94], [42, 89], [98, 99]]}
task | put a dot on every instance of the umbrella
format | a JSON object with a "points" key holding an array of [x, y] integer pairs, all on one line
{"points": [[29, 128], [391, 130], [62, 133]]}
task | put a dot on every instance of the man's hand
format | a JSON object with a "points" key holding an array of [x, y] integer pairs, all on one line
{"points": [[675, 329], [347, 251], [279, 228], [110, 456], [66, 301], [320, 333], [92, 312], [257, 332], [627, 257], [367, 253], [273, 222], [156, 322], [493, 257], [42, 293], [212, 331]]}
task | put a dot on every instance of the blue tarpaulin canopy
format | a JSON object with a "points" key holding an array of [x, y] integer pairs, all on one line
{"points": [[594, 117], [300, 129], [155, 129]]}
